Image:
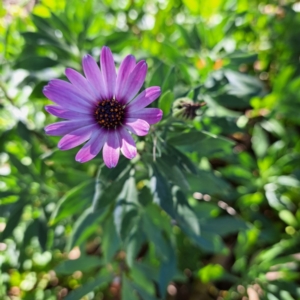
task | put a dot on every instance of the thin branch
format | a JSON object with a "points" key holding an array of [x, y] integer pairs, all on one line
{"points": [[154, 147]]}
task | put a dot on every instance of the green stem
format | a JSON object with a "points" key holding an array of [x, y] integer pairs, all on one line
{"points": [[97, 190]]}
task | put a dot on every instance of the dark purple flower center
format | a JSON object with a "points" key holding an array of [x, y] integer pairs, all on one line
{"points": [[109, 113]]}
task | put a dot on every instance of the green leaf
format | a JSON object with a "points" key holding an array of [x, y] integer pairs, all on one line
{"points": [[181, 159], [223, 225], [188, 138], [30, 232], [160, 75], [145, 197], [60, 23], [13, 219], [288, 217], [185, 213], [208, 183], [24, 132], [204, 143], [126, 211], [188, 221], [83, 263], [42, 24], [118, 40], [288, 181], [37, 91], [74, 201], [134, 242], [115, 174], [208, 242], [171, 51], [232, 101], [127, 290], [191, 42], [109, 194], [167, 269], [25, 170], [7, 199], [150, 270], [211, 272], [84, 227], [40, 63], [141, 280], [144, 294], [161, 192], [239, 57], [167, 165], [37, 38], [42, 228], [170, 80], [110, 240], [156, 234], [194, 6], [91, 285], [165, 102], [116, 179], [159, 234], [260, 141], [243, 85]]}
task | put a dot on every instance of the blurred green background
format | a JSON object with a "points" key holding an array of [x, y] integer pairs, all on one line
{"points": [[210, 207]]}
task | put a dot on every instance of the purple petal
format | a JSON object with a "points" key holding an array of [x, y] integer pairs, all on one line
{"points": [[111, 149], [93, 75], [76, 137], [63, 113], [64, 127], [92, 147], [128, 147], [150, 115], [81, 84], [67, 99], [108, 72], [137, 126], [135, 81], [69, 88], [144, 98], [125, 69]]}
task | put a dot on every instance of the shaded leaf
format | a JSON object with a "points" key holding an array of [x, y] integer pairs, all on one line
{"points": [[13, 219], [35, 63], [83, 263], [88, 287], [126, 211], [110, 240], [161, 192], [74, 201], [223, 225], [84, 227], [127, 290], [42, 227]]}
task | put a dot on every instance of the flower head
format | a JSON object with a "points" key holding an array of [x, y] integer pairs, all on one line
{"points": [[101, 108]]}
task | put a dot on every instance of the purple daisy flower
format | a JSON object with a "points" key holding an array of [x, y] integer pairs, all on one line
{"points": [[102, 108]]}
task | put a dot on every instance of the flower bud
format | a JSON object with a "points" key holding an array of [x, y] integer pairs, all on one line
{"points": [[186, 108]]}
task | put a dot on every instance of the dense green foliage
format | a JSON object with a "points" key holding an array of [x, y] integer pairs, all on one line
{"points": [[210, 207]]}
